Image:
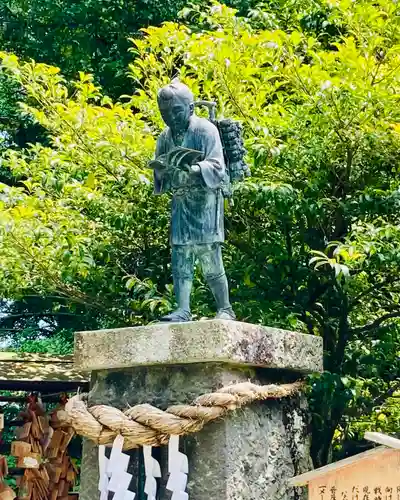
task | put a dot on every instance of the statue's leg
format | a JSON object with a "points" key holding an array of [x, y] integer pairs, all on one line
{"points": [[210, 257], [182, 272]]}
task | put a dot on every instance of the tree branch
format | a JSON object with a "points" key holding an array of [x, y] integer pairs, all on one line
{"points": [[376, 323], [375, 287], [383, 397], [36, 315], [393, 70]]}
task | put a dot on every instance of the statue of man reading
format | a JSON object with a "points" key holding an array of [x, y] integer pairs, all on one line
{"points": [[197, 222]]}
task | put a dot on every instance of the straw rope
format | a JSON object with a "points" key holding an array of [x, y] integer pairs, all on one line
{"points": [[144, 424]]}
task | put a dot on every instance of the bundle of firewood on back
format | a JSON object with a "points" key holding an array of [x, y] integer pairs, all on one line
{"points": [[41, 450]]}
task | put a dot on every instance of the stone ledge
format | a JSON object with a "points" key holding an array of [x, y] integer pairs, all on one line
{"points": [[215, 341]]}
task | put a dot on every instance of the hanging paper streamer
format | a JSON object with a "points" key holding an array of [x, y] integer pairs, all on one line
{"points": [[103, 477], [178, 468], [113, 472], [152, 471]]}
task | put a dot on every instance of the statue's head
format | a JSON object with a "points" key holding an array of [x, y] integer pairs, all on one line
{"points": [[176, 104]]}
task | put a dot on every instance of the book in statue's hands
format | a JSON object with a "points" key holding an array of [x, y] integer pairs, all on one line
{"points": [[177, 157]]}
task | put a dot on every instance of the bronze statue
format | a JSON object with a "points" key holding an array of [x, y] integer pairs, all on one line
{"points": [[189, 163]]}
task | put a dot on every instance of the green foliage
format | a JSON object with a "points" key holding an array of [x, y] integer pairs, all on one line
{"points": [[313, 237], [11, 94], [93, 36], [75, 35], [16, 130], [89, 35], [11, 128], [62, 343]]}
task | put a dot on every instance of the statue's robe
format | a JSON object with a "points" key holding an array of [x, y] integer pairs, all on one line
{"points": [[197, 200]]}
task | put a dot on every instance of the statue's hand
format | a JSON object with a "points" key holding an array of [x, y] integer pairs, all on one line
{"points": [[190, 169], [158, 163], [195, 169]]}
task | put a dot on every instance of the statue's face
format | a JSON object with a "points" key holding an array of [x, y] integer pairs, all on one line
{"points": [[176, 113]]}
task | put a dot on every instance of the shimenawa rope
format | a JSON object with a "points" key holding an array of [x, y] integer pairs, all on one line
{"points": [[144, 424]]}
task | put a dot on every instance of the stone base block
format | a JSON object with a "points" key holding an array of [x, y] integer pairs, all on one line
{"points": [[249, 455], [214, 341]]}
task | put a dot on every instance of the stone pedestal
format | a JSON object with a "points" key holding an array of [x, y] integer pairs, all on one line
{"points": [[250, 454]]}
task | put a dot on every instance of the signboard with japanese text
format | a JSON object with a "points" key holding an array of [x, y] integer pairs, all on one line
{"points": [[373, 477]]}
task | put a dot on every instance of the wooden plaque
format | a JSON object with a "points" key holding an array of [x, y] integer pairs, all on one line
{"points": [[374, 477]]}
